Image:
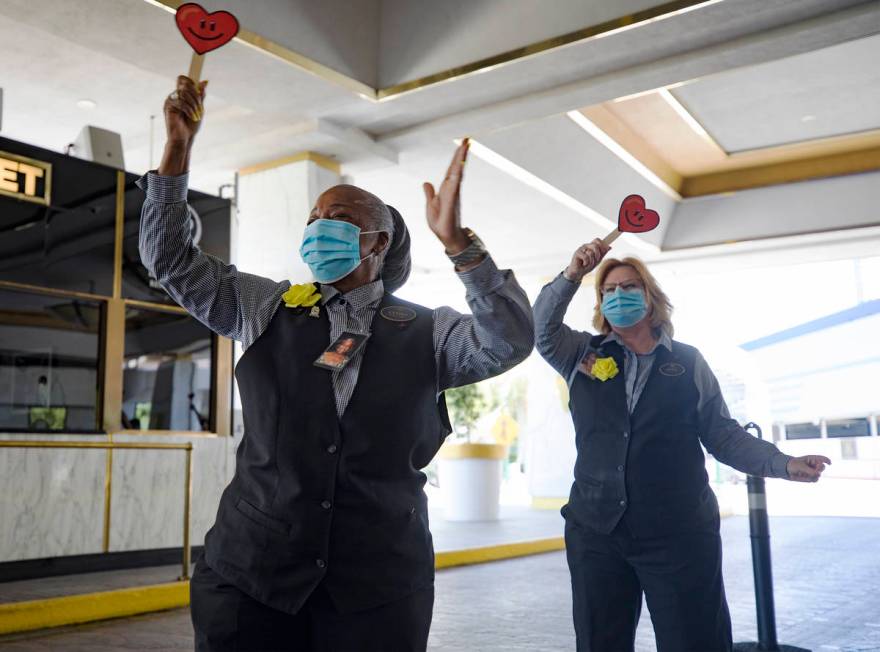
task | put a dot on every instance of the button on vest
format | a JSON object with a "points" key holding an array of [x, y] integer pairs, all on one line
{"points": [[646, 467], [319, 499]]}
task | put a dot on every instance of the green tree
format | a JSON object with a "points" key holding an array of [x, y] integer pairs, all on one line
{"points": [[466, 405]]}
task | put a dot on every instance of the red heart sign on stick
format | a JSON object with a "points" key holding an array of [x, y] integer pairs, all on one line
{"points": [[204, 31], [633, 217]]}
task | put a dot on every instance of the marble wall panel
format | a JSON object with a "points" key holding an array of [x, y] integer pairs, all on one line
{"points": [[51, 500], [148, 490]]}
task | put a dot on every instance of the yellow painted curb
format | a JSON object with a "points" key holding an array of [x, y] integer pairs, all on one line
{"points": [[464, 451], [548, 502], [494, 553], [88, 607]]}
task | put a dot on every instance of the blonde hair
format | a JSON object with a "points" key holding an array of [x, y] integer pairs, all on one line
{"points": [[659, 306]]}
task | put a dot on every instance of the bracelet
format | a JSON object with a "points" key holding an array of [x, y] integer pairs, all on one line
{"points": [[473, 252]]}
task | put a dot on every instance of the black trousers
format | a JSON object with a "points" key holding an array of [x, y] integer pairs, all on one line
{"points": [[227, 620], [680, 576]]}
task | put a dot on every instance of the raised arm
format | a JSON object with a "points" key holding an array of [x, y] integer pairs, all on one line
{"points": [[229, 302], [497, 335], [500, 332], [562, 347]]}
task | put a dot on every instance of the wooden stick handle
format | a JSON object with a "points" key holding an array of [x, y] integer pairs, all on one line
{"points": [[195, 66], [611, 237]]}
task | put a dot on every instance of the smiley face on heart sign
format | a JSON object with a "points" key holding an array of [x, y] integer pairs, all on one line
{"points": [[634, 217], [204, 31]]}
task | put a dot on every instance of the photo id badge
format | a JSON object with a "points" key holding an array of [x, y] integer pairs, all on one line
{"points": [[586, 365], [342, 351]]}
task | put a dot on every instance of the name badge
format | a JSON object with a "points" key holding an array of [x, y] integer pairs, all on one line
{"points": [[671, 369], [400, 314], [341, 352]]}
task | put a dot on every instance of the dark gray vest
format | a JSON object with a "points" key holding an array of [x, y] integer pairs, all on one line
{"points": [[648, 467], [320, 499]]}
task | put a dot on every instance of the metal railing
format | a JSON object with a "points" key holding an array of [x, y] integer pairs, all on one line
{"points": [[108, 480]]}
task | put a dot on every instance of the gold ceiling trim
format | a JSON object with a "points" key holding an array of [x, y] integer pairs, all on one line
{"points": [[700, 166], [617, 130], [816, 167], [318, 159], [665, 10], [825, 146], [606, 28]]}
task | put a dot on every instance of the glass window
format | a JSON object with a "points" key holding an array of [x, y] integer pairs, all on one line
{"points": [[67, 245], [209, 225], [167, 372], [802, 431], [49, 363], [848, 428]]}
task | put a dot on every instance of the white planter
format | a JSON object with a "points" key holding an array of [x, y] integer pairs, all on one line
{"points": [[470, 480]]}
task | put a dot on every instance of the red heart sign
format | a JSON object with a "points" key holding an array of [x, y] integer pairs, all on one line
{"points": [[634, 217], [204, 31]]}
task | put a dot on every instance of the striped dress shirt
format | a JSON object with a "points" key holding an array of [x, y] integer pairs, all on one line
{"points": [[467, 348], [564, 348]]}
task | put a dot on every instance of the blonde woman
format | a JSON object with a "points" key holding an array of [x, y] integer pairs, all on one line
{"points": [[641, 516]]}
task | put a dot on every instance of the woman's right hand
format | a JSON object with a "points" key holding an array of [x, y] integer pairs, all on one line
{"points": [[183, 116], [585, 259]]}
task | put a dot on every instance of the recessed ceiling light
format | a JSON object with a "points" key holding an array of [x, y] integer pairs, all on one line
{"points": [[86, 104], [808, 118]]}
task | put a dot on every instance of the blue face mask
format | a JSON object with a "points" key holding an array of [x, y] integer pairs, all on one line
{"points": [[332, 249], [624, 308]]}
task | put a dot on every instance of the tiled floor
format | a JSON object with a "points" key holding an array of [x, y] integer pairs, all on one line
{"points": [[826, 573]]}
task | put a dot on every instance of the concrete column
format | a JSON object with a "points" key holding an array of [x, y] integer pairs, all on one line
{"points": [[274, 201]]}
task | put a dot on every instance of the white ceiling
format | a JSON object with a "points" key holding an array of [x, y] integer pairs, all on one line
{"points": [[125, 54], [827, 92]]}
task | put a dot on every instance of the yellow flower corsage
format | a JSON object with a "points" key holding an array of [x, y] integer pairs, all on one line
{"points": [[303, 295], [604, 368]]}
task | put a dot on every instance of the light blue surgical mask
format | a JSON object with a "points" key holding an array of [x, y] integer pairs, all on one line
{"points": [[624, 308], [332, 249]]}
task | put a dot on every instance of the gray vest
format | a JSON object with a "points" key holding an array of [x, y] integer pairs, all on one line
{"points": [[318, 499], [646, 467]]}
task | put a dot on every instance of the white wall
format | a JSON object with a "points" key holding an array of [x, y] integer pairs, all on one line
{"points": [[273, 207], [830, 373], [787, 209]]}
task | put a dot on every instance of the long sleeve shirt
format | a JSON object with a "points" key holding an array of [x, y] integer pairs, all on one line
{"points": [[498, 334], [564, 348]]}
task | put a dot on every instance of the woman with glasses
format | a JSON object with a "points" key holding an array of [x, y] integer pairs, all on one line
{"points": [[641, 516]]}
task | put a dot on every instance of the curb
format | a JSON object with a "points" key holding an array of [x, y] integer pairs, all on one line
{"points": [[32, 615]]}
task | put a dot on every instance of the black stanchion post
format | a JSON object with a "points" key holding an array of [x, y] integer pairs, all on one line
{"points": [[759, 532]]}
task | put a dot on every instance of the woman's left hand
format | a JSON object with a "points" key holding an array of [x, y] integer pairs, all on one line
{"points": [[443, 209], [807, 468]]}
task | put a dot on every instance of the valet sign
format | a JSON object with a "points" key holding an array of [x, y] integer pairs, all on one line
{"points": [[25, 178]]}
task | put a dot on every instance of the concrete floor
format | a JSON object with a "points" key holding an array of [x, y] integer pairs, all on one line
{"points": [[826, 573], [516, 524]]}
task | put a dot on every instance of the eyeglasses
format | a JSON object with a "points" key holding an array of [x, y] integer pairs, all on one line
{"points": [[626, 286]]}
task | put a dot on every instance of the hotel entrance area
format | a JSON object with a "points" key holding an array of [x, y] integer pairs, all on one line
{"points": [[287, 288]]}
